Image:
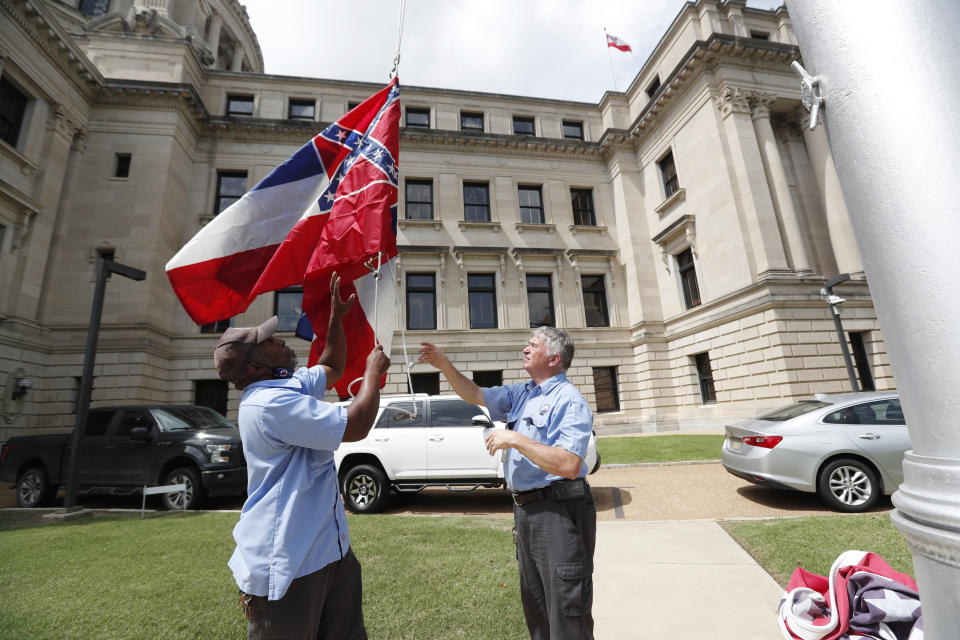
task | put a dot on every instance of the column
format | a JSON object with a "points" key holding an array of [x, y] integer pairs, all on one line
{"points": [[750, 184], [845, 249], [779, 187], [213, 38], [896, 152], [237, 64]]}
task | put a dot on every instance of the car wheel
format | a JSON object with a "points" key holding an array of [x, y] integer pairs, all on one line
{"points": [[34, 489], [849, 485], [365, 489], [194, 492]]}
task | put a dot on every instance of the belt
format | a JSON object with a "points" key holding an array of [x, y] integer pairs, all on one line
{"points": [[559, 490]]}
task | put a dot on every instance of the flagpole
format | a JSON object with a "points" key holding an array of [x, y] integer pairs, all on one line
{"points": [[396, 58], [606, 42]]}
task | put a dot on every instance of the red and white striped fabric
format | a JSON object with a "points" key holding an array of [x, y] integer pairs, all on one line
{"points": [[617, 43]]}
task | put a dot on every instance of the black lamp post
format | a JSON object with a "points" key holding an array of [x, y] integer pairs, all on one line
{"points": [[835, 301]]}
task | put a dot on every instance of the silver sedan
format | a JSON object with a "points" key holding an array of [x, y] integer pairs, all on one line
{"points": [[847, 448]]}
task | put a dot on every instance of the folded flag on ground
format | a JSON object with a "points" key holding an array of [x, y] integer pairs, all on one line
{"points": [[861, 598]]}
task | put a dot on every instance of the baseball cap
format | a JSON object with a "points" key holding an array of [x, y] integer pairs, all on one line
{"points": [[233, 351]]}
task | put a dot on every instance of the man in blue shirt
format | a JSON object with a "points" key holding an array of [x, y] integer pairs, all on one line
{"points": [[297, 574], [548, 429]]}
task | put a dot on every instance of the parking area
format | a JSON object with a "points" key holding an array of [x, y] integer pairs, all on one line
{"points": [[642, 493]]}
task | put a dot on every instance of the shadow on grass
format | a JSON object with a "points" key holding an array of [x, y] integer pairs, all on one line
{"points": [[14, 519], [797, 500]]}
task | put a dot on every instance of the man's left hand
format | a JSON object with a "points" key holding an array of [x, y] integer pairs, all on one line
{"points": [[501, 439], [339, 307]]}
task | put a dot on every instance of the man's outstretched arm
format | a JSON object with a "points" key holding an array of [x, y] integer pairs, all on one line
{"points": [[464, 386], [334, 355]]}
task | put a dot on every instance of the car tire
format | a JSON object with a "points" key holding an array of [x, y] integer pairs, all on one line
{"points": [[850, 485], [365, 489], [194, 492], [34, 489]]}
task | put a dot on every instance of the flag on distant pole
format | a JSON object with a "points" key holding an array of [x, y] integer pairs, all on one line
{"points": [[332, 206], [617, 43]]}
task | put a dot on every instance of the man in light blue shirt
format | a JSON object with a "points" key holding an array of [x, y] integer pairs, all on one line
{"points": [[548, 430], [297, 574]]}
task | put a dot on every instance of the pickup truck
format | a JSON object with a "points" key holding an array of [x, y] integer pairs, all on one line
{"points": [[441, 444], [126, 448]]}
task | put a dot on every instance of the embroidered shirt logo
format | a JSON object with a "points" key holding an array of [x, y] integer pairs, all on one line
{"points": [[544, 409]]}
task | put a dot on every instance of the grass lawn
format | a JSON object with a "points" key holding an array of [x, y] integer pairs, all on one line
{"points": [[780, 546], [115, 576], [665, 448]]}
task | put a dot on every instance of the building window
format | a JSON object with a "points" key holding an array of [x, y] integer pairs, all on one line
{"points": [[240, 106], [759, 35], [861, 361], [211, 393], [595, 300], [471, 121], [688, 278], [523, 126], [531, 205], [582, 200], [476, 202], [302, 110], [13, 104], [488, 378], [705, 375], [653, 86], [540, 300], [605, 389], [216, 327], [419, 203], [573, 130], [428, 383], [231, 185], [421, 301], [482, 292], [352, 105], [288, 307], [121, 165], [668, 171], [94, 8], [418, 118]]}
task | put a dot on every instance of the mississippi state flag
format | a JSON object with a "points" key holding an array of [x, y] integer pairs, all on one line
{"points": [[617, 43], [332, 206]]}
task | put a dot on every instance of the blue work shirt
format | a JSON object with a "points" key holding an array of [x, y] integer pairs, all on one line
{"points": [[553, 413], [293, 522]]}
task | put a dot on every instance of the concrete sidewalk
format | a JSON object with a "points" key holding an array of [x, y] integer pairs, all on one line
{"points": [[669, 580]]}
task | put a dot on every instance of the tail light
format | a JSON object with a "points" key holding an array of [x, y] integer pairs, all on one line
{"points": [[766, 442], [7, 448]]}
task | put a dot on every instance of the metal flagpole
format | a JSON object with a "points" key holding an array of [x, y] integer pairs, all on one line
{"points": [[606, 43]]}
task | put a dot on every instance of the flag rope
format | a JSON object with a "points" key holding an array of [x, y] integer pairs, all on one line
{"points": [[396, 58]]}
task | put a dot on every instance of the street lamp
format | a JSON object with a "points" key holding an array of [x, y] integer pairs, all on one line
{"points": [[834, 301]]}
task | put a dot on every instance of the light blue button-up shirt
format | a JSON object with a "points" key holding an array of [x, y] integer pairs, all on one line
{"points": [[293, 522], [553, 413]]}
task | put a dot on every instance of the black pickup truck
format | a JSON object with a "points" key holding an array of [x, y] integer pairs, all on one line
{"points": [[126, 448]]}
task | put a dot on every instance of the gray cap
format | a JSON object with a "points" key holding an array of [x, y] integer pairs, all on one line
{"points": [[233, 351]]}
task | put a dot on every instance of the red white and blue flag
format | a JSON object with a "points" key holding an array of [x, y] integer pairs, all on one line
{"points": [[617, 43], [332, 206]]}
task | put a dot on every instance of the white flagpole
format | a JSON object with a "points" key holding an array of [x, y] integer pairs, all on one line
{"points": [[606, 43]]}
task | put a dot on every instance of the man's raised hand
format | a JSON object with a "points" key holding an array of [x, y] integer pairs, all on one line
{"points": [[432, 354], [339, 307]]}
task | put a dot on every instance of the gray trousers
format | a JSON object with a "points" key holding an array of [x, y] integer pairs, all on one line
{"points": [[555, 542], [323, 605]]}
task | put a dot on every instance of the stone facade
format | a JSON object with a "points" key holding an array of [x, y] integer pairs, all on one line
{"points": [[714, 173]]}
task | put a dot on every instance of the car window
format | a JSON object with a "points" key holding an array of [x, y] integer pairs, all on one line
{"points": [[182, 418], [453, 413], [97, 422], [792, 410], [130, 420], [390, 419], [879, 412]]}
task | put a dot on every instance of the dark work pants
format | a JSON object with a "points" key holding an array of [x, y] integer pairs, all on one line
{"points": [[323, 605], [555, 543]]}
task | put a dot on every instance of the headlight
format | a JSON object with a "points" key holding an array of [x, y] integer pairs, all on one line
{"points": [[218, 452]]}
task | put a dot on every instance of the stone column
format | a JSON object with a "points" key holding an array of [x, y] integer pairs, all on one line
{"points": [[237, 64], [750, 187], [213, 38], [779, 187], [845, 249], [888, 87]]}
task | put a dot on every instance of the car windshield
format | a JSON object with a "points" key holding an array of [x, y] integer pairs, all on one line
{"points": [[182, 418], [792, 410]]}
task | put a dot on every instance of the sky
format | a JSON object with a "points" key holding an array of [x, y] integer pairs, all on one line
{"points": [[537, 48]]}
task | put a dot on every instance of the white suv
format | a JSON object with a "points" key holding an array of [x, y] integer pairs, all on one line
{"points": [[442, 446]]}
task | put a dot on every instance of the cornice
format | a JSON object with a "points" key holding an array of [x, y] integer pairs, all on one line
{"points": [[499, 144], [47, 34], [155, 95]]}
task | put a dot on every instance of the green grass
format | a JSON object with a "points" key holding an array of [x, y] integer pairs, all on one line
{"points": [[114, 576], [666, 448], [780, 546]]}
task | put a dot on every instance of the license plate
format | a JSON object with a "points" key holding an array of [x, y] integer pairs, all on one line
{"points": [[736, 444]]}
